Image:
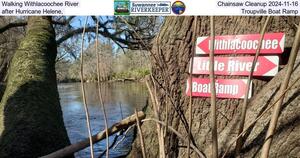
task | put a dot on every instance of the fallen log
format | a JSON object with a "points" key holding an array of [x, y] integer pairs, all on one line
{"points": [[123, 124], [124, 79]]}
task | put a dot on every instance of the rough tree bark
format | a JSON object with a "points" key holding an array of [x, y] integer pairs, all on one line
{"points": [[174, 51], [31, 123]]}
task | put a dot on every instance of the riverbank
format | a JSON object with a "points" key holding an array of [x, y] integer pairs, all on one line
{"points": [[142, 79]]}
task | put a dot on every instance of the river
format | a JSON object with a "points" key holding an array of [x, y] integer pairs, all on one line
{"points": [[120, 100]]}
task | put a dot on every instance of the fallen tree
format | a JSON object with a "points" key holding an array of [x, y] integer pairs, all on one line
{"points": [[123, 124]]}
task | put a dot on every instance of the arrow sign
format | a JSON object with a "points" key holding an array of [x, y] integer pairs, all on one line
{"points": [[265, 65], [273, 43], [225, 88]]}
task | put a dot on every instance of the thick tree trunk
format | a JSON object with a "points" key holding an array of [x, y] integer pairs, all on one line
{"points": [[170, 68], [286, 138], [31, 123]]}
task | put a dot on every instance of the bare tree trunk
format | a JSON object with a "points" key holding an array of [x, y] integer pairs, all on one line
{"points": [[213, 111], [31, 123]]}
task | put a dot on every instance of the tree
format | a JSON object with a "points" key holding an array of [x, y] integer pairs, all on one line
{"points": [[67, 32], [114, 64], [131, 64], [105, 65], [31, 116], [172, 50], [31, 123], [9, 41]]}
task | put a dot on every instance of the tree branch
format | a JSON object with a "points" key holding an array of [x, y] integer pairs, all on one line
{"points": [[12, 25], [131, 44], [63, 22], [24, 23]]}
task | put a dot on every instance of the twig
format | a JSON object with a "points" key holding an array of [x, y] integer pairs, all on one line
{"points": [[163, 132], [154, 103], [140, 134], [99, 90], [201, 154], [87, 115], [213, 107], [68, 150], [141, 40], [125, 133], [112, 144], [223, 115], [191, 92], [167, 89], [162, 135], [277, 108], [239, 142], [177, 110], [158, 127], [259, 117]]}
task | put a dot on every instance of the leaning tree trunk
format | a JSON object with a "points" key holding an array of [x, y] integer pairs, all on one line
{"points": [[170, 64], [31, 123]]}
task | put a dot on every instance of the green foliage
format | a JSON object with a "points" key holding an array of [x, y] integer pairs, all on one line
{"points": [[135, 73]]}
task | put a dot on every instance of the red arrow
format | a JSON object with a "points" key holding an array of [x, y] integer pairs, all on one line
{"points": [[273, 43], [265, 66], [243, 88], [203, 44]]}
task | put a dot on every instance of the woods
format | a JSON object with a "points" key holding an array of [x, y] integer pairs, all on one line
{"points": [[120, 65], [175, 124]]}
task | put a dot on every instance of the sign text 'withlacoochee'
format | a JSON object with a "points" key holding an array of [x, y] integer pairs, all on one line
{"points": [[225, 88], [265, 65], [272, 43]]}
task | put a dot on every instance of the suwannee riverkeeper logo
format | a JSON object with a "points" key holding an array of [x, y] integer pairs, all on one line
{"points": [[126, 7]]}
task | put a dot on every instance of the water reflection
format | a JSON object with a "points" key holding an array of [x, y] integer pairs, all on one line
{"points": [[120, 99]]}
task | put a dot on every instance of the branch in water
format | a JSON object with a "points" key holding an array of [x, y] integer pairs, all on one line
{"points": [[124, 124]]}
